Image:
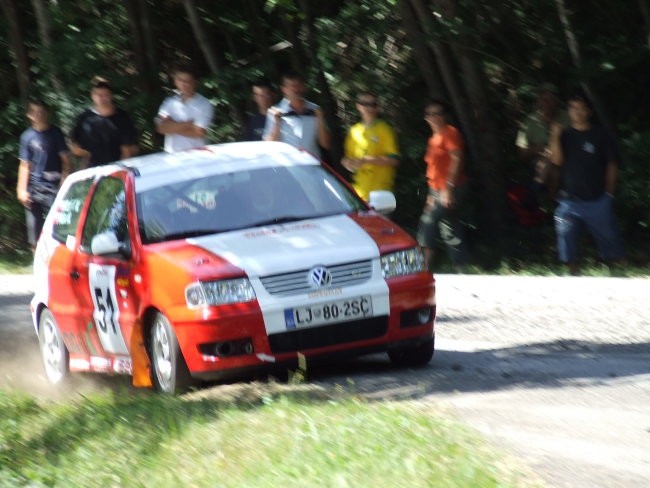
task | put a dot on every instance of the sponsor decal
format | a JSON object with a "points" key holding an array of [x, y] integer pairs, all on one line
{"points": [[325, 293], [122, 366], [124, 282], [280, 229], [99, 364], [106, 313], [77, 364]]}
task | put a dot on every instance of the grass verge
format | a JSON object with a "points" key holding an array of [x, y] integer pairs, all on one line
{"points": [[290, 439], [17, 262]]}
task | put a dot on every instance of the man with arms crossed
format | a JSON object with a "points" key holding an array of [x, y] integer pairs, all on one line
{"points": [[184, 118]]}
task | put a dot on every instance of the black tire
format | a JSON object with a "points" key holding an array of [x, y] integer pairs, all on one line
{"points": [[56, 359], [413, 357], [168, 368]]}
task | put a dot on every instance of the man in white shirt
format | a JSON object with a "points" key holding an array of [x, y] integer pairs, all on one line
{"points": [[295, 120], [184, 117]]}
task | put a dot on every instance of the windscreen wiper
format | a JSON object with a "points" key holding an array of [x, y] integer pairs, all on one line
{"points": [[278, 220]]}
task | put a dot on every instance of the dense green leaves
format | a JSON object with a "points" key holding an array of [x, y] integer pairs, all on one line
{"points": [[495, 54]]}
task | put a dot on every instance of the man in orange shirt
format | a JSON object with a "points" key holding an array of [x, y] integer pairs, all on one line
{"points": [[446, 179]]}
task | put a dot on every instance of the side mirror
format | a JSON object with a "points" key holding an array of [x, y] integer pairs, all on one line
{"points": [[107, 243], [382, 201]]}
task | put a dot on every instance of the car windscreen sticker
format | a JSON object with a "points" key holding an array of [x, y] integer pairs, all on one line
{"points": [[106, 312]]}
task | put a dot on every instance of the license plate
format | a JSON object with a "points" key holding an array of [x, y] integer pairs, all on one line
{"points": [[328, 313]]}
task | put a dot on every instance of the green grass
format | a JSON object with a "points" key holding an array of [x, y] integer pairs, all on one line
{"points": [[16, 262], [301, 438]]}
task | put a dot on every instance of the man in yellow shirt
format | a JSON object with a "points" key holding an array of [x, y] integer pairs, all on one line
{"points": [[371, 152]]}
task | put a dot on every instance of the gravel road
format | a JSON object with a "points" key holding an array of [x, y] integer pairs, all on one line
{"points": [[553, 370]]}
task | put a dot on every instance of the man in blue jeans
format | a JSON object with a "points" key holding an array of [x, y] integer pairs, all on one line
{"points": [[588, 160]]}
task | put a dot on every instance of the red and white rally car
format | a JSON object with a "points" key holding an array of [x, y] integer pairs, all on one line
{"points": [[180, 267]]}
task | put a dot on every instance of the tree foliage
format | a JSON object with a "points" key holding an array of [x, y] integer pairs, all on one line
{"points": [[486, 58]]}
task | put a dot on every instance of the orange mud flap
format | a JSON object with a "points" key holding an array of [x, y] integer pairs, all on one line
{"points": [[140, 359]]}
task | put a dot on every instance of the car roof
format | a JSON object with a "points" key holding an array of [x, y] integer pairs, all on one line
{"points": [[158, 169]]}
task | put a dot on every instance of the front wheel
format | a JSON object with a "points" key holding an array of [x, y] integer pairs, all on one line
{"points": [[170, 373], [413, 357], [56, 359]]}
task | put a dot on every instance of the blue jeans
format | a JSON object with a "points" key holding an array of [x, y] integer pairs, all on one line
{"points": [[571, 215]]}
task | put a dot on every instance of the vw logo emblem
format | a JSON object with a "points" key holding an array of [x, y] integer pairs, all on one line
{"points": [[320, 277]]}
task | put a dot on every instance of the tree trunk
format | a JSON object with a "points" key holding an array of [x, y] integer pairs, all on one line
{"points": [[329, 102], [201, 36], [150, 45], [42, 19], [421, 52], [17, 46], [576, 58], [260, 37], [137, 41], [645, 13], [478, 126], [448, 72], [144, 46], [296, 52]]}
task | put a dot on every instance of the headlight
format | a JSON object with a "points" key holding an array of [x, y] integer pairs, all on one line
{"points": [[401, 263], [219, 292]]}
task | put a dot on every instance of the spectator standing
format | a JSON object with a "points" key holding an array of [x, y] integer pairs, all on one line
{"points": [[263, 96], [588, 160], [44, 164], [533, 140], [447, 186], [184, 117], [295, 120], [371, 151], [103, 133]]}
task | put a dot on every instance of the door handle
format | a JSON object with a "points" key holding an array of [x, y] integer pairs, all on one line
{"points": [[74, 275]]}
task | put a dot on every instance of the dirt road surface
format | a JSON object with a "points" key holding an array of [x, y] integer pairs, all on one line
{"points": [[553, 370]]}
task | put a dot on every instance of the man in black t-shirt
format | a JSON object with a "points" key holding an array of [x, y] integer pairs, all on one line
{"points": [[103, 133], [44, 164], [588, 160]]}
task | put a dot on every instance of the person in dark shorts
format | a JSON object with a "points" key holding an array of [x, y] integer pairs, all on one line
{"points": [[588, 159], [447, 187], [103, 133], [44, 164]]}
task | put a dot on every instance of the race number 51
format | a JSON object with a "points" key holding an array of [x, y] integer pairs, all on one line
{"points": [[106, 312]]}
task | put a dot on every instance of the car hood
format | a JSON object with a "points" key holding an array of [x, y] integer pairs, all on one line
{"points": [[281, 248]]}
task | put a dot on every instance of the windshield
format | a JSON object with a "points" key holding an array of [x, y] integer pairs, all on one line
{"points": [[239, 200]]}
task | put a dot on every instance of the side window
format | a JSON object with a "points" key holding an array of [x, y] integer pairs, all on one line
{"points": [[67, 214], [107, 212]]}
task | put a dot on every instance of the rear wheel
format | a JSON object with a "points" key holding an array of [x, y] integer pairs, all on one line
{"points": [[56, 359], [416, 356], [170, 373]]}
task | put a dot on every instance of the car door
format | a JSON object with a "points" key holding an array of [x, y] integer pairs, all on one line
{"points": [[59, 248], [110, 304]]}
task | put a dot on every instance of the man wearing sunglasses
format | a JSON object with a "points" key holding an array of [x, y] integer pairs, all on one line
{"points": [[371, 152], [446, 179]]}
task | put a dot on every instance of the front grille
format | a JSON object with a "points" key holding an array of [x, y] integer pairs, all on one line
{"points": [[298, 281], [328, 335]]}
